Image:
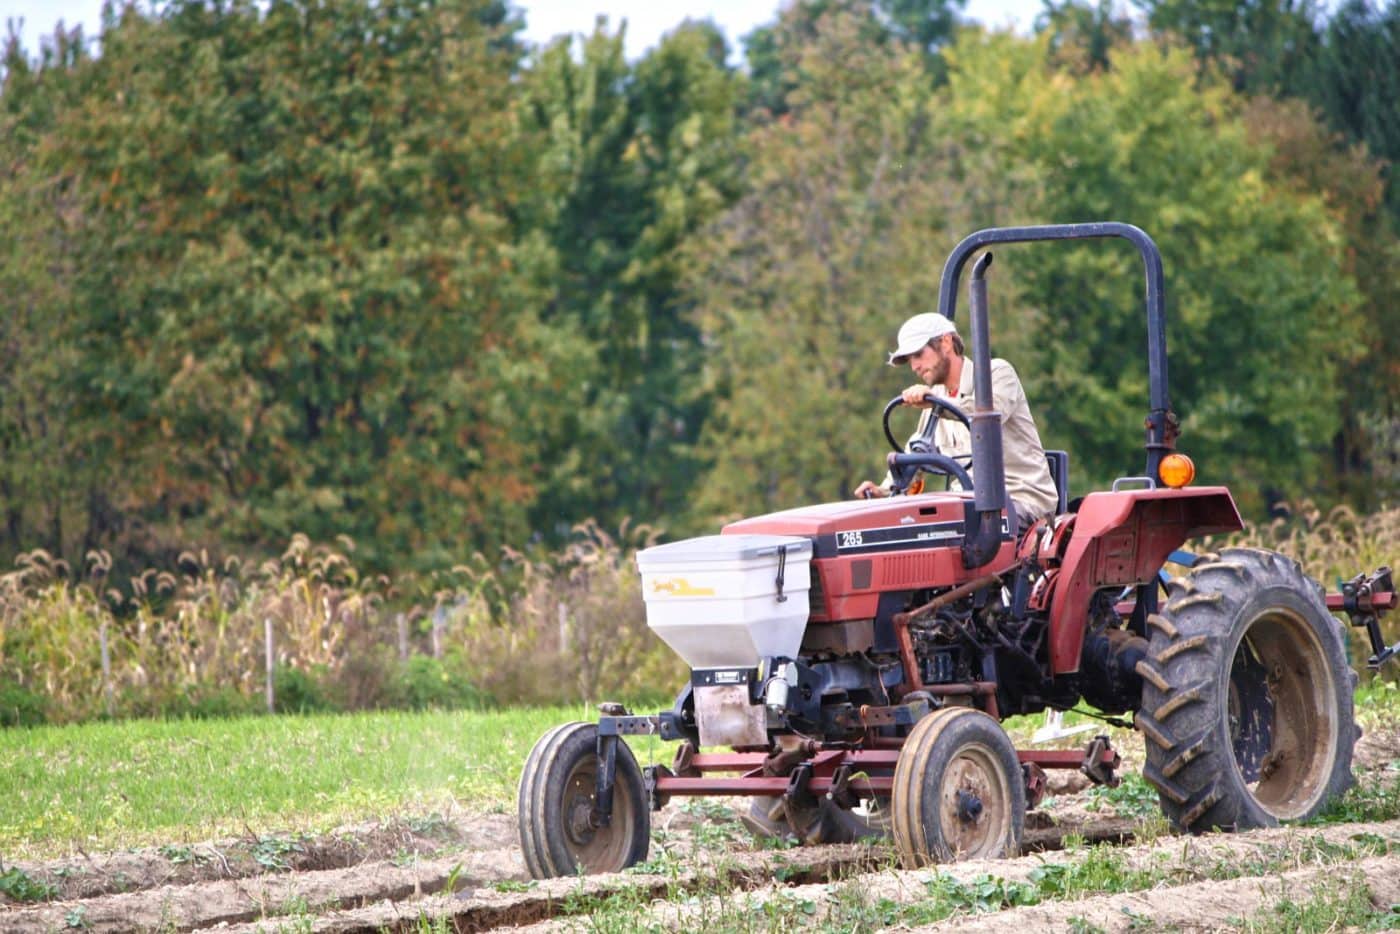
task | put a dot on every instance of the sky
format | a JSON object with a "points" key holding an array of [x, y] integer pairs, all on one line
{"points": [[647, 20]]}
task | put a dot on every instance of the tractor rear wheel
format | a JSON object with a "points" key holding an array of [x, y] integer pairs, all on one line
{"points": [[1247, 696], [958, 790], [558, 790]]}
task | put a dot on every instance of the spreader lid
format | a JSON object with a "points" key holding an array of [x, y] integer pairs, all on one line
{"points": [[724, 548]]}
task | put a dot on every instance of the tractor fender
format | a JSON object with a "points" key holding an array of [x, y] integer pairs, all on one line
{"points": [[1121, 539]]}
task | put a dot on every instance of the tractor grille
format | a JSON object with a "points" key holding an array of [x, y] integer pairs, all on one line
{"points": [[910, 570]]}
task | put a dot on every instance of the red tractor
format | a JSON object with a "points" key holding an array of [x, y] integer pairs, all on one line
{"points": [[858, 656]]}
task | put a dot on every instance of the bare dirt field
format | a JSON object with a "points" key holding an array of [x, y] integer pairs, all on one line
{"points": [[465, 872]]}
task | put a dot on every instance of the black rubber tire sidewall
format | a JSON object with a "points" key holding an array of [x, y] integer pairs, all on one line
{"points": [[540, 803]]}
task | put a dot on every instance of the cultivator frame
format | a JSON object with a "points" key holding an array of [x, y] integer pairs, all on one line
{"points": [[843, 772]]}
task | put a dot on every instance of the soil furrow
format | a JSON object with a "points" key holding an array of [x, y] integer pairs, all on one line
{"points": [[1199, 906]]}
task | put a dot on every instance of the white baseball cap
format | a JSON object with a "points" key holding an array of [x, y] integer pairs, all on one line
{"points": [[915, 333]]}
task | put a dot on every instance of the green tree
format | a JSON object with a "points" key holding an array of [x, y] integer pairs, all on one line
{"points": [[298, 297], [1082, 35], [1312, 159], [1262, 316], [772, 51], [851, 202], [1265, 46], [633, 160], [1356, 80], [50, 486]]}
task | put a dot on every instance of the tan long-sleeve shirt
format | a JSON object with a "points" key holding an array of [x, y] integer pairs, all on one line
{"points": [[1028, 480]]}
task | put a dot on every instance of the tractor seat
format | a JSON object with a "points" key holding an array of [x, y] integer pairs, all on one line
{"points": [[1058, 461]]}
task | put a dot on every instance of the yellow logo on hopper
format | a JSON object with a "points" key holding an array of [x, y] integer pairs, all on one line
{"points": [[680, 587]]}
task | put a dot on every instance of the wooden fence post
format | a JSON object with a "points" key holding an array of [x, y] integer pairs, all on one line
{"points": [[402, 622], [439, 623], [106, 669], [271, 665]]}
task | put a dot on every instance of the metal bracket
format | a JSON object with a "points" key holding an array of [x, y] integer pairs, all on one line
{"points": [[1100, 772], [840, 792], [1364, 598], [684, 762], [1036, 784], [782, 569], [650, 774], [607, 778], [628, 726]]}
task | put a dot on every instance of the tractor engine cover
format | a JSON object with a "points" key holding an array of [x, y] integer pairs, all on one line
{"points": [[863, 549]]}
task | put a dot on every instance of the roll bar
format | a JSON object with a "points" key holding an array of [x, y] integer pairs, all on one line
{"points": [[1161, 428]]}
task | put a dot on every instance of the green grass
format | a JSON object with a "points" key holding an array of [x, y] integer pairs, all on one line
{"points": [[1344, 904], [143, 782], [139, 782]]}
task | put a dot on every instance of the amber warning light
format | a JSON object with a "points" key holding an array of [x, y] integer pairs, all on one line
{"points": [[1176, 471]]}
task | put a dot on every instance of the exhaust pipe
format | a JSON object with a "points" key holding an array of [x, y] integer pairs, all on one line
{"points": [[983, 538]]}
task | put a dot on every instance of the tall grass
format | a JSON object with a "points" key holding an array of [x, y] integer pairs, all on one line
{"points": [[1332, 546], [519, 628], [536, 629]]}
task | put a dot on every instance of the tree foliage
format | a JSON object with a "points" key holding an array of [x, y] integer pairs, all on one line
{"points": [[850, 205], [296, 286], [379, 268], [1253, 269], [632, 161]]}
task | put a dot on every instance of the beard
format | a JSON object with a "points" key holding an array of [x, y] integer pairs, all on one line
{"points": [[937, 371]]}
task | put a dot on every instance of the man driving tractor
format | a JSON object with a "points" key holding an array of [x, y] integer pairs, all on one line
{"points": [[934, 350]]}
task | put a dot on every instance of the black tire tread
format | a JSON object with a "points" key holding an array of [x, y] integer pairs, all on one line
{"points": [[1189, 758]]}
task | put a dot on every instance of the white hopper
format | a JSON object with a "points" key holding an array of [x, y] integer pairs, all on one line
{"points": [[715, 599]]}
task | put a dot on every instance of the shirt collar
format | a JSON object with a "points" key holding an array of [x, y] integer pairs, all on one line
{"points": [[965, 379]]}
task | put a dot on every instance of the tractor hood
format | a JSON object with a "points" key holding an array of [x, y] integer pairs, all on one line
{"points": [[870, 525]]}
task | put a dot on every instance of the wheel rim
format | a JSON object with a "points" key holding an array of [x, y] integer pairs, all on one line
{"points": [[974, 804], [1282, 713], [595, 849]]}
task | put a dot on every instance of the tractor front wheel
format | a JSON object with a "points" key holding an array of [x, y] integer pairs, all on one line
{"points": [[958, 790], [1247, 697], [559, 830]]}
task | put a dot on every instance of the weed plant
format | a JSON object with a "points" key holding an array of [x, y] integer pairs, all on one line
{"points": [[18, 886], [522, 628], [1343, 904]]}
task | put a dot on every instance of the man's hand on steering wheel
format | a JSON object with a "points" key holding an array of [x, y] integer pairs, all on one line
{"points": [[917, 396], [922, 448]]}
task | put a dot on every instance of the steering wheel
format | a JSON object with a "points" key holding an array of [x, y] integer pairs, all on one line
{"points": [[938, 402], [923, 454]]}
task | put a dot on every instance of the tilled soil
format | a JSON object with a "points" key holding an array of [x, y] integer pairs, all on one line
{"points": [[467, 873]]}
